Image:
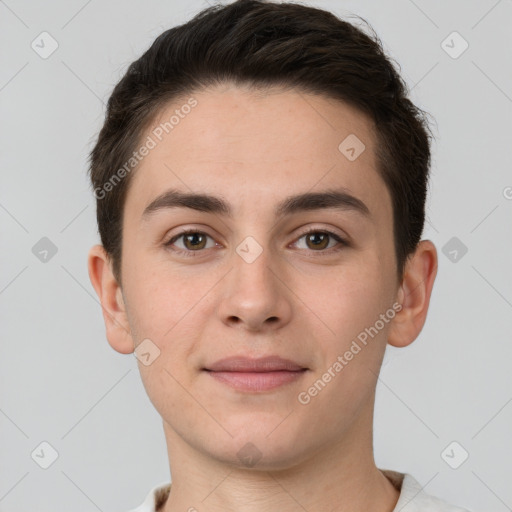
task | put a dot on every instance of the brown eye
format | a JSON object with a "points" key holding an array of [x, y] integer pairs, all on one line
{"points": [[191, 241], [320, 241], [194, 241]]}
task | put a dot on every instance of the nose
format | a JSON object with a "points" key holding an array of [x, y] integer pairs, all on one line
{"points": [[255, 296]]}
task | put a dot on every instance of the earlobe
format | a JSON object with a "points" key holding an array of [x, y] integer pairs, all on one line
{"points": [[112, 302], [414, 295]]}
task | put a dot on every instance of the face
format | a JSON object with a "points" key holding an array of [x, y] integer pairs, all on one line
{"points": [[260, 273]]}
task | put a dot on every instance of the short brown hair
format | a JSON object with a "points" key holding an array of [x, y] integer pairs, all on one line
{"points": [[262, 44]]}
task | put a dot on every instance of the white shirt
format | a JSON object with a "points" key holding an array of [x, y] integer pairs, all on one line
{"points": [[412, 497]]}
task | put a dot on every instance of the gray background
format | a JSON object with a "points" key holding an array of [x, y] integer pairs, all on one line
{"points": [[61, 383]]}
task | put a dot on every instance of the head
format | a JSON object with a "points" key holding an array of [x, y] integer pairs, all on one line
{"points": [[266, 121]]}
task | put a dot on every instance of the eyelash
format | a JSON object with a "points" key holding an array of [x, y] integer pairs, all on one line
{"points": [[182, 252]]}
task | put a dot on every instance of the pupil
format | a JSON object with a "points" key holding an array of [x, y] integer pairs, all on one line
{"points": [[191, 237], [315, 235]]}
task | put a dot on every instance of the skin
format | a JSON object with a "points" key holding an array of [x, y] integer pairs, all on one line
{"points": [[295, 300]]}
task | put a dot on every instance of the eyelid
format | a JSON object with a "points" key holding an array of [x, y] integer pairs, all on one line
{"points": [[183, 233], [330, 232], [342, 240]]}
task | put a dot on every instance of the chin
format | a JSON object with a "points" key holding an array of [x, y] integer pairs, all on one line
{"points": [[260, 451]]}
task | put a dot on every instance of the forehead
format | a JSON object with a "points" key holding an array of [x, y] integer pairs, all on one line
{"points": [[256, 146]]}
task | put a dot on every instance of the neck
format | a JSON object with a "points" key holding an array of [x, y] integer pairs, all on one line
{"points": [[339, 477]]}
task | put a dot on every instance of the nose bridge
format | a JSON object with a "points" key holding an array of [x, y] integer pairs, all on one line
{"points": [[253, 267], [254, 294]]}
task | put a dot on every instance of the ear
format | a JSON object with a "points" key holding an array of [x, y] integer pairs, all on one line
{"points": [[111, 299], [414, 295]]}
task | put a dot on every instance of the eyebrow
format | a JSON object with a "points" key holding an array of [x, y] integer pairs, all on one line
{"points": [[338, 199]]}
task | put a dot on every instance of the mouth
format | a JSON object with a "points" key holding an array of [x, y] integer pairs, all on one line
{"points": [[255, 375]]}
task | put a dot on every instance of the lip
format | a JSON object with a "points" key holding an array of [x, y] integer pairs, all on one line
{"points": [[261, 364], [261, 374]]}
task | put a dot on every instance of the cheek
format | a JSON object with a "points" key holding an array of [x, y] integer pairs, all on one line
{"points": [[168, 308], [351, 308], [160, 300], [164, 309], [352, 298], [352, 351]]}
